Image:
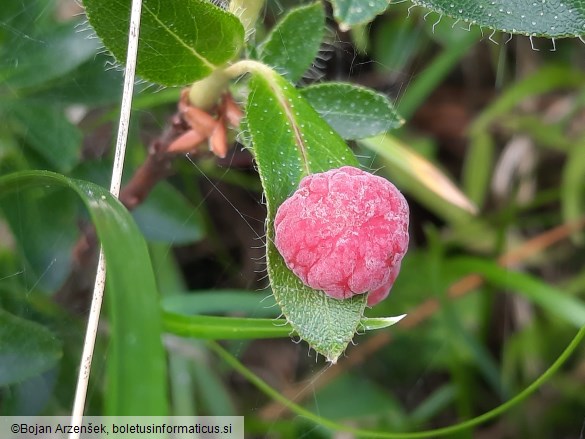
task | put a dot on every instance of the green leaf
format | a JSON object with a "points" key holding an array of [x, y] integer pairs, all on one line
{"points": [[167, 216], [225, 328], [354, 112], [41, 58], [26, 349], [447, 33], [290, 141], [373, 323], [293, 44], [181, 41], [181, 316], [477, 169], [135, 320], [550, 18], [549, 298], [254, 304], [351, 12], [573, 187], [46, 129]]}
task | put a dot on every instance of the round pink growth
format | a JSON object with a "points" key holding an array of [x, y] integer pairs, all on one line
{"points": [[345, 232]]}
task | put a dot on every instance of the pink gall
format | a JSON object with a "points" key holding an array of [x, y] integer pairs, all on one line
{"points": [[345, 232]]}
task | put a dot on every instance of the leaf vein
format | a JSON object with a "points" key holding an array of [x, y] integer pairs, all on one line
{"points": [[297, 132], [179, 39]]}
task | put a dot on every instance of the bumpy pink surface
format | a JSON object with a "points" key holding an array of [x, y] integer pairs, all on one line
{"points": [[345, 232]]}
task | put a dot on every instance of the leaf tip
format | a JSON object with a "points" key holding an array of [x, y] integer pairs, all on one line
{"points": [[370, 324], [332, 360]]}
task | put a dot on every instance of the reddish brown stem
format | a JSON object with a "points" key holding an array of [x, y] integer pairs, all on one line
{"points": [[156, 167], [189, 128]]}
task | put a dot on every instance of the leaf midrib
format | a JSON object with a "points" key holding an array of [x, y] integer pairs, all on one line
{"points": [[296, 131], [179, 39]]}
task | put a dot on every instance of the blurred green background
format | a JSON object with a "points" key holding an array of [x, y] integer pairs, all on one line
{"points": [[504, 122]]}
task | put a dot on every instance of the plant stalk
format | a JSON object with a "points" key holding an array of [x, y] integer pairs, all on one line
{"points": [[100, 280]]}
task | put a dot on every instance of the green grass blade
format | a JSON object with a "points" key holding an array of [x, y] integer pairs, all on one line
{"points": [[136, 365], [433, 75], [221, 328], [244, 302], [180, 316], [573, 187], [549, 298], [546, 79]]}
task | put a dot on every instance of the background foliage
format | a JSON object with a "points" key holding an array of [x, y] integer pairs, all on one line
{"points": [[485, 138]]}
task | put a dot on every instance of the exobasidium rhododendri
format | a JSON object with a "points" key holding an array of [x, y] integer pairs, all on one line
{"points": [[345, 232]]}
